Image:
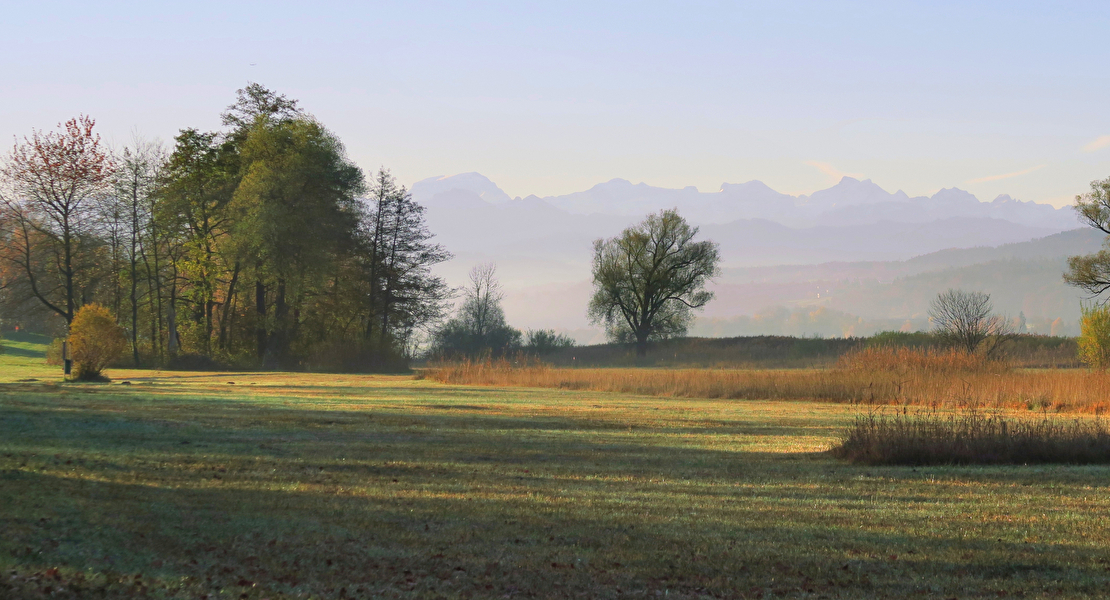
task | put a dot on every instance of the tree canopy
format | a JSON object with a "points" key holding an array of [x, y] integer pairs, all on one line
{"points": [[1091, 272], [260, 244], [648, 280]]}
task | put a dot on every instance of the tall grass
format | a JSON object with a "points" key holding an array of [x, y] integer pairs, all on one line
{"points": [[972, 437], [874, 376], [917, 361]]}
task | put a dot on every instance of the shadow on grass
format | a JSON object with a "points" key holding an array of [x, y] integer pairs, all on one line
{"points": [[11, 350], [237, 496], [289, 542]]}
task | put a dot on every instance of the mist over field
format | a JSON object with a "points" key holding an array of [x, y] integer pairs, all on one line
{"points": [[849, 260]]}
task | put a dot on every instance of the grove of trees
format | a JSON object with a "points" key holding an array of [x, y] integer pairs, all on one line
{"points": [[479, 329], [260, 244]]}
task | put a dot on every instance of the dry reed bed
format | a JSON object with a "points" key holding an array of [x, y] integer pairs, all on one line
{"points": [[873, 376], [972, 437]]}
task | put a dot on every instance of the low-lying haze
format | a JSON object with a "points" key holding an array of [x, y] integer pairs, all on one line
{"points": [[847, 260]]}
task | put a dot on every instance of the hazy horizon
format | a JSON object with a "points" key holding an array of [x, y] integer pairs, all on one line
{"points": [[994, 99]]}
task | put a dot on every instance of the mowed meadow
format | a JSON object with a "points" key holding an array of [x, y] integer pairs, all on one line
{"points": [[283, 485]]}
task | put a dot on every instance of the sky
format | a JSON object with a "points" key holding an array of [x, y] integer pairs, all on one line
{"points": [[551, 98]]}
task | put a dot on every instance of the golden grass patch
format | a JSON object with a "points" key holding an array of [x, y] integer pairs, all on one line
{"points": [[876, 378]]}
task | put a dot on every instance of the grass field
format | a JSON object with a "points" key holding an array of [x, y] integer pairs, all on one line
{"points": [[193, 485]]}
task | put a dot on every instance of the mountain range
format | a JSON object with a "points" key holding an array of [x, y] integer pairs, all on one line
{"points": [[543, 246], [849, 202]]}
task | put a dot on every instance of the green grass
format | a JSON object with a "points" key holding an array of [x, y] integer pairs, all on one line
{"points": [[324, 486]]}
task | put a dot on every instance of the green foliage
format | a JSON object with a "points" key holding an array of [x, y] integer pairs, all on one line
{"points": [[54, 353], [269, 257], [1094, 341], [914, 339], [294, 207], [349, 482], [457, 338], [1091, 272], [542, 342], [648, 280], [95, 340]]}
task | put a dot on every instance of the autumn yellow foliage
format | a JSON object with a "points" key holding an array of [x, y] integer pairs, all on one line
{"points": [[95, 341]]}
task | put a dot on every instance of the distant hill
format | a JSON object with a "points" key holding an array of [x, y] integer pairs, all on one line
{"points": [[864, 297], [870, 254]]}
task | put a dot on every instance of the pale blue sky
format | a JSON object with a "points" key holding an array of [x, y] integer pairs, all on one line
{"points": [[554, 98]]}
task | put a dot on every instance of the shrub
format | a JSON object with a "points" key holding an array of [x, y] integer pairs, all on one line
{"points": [[54, 353], [1094, 341], [546, 341], [95, 340], [913, 339], [972, 437]]}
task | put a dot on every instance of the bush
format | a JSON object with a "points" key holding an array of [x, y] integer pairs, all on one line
{"points": [[546, 341], [95, 340], [910, 339], [972, 437], [1094, 341], [54, 353]]}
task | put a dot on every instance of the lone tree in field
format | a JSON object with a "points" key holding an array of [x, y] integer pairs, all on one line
{"points": [[648, 279], [966, 319], [1091, 272]]}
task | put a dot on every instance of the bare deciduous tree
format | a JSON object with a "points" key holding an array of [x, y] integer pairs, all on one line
{"points": [[481, 310], [55, 179], [479, 327], [135, 184], [966, 320]]}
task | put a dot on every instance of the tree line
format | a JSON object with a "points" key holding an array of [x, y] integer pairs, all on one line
{"points": [[262, 244], [259, 244]]}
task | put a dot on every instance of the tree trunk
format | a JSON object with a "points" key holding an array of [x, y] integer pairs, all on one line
{"points": [[134, 256], [228, 301], [275, 350], [171, 343], [260, 316], [134, 303], [67, 241]]}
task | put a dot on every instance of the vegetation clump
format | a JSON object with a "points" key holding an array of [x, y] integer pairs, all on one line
{"points": [[1094, 341], [972, 437], [95, 340], [917, 360]]}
